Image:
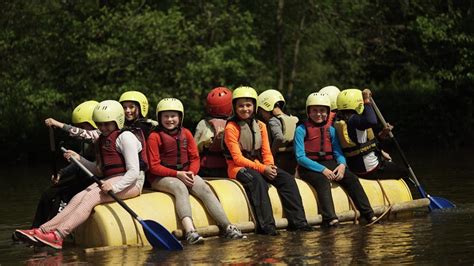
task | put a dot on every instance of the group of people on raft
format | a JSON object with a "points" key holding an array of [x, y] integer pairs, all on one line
{"points": [[261, 145]]}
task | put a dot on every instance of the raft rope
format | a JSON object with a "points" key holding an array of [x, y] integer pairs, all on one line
{"points": [[387, 211], [351, 202], [139, 236], [385, 197]]}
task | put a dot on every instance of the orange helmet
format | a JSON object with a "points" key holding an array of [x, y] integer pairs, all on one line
{"points": [[219, 102]]}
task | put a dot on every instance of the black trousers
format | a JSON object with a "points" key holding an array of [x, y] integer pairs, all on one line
{"points": [[387, 170], [256, 187], [212, 172], [286, 161], [59, 194], [349, 182]]}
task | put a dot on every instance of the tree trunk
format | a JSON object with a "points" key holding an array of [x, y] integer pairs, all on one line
{"points": [[279, 42], [296, 52]]}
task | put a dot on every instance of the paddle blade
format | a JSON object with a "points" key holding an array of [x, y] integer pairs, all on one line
{"points": [[159, 236], [440, 203]]}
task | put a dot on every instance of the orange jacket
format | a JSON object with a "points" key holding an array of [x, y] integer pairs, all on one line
{"points": [[231, 139]]}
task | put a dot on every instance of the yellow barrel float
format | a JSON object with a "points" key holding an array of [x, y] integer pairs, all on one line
{"points": [[111, 225]]}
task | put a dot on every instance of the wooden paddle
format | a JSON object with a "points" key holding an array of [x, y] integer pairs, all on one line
{"points": [[435, 202], [52, 146], [156, 234]]}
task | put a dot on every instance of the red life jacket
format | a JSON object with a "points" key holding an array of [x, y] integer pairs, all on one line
{"points": [[211, 157], [317, 143], [113, 162], [143, 155], [174, 151]]}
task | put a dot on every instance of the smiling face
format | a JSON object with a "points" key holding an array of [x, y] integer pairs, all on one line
{"points": [[317, 113], [169, 119], [106, 128], [131, 110], [244, 108]]}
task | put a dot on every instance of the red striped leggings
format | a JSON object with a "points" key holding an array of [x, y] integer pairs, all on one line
{"points": [[81, 206]]}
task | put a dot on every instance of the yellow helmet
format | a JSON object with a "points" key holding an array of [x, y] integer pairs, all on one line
{"points": [[170, 104], [332, 91], [107, 111], [83, 113], [318, 98], [268, 99], [244, 92], [136, 96], [351, 99]]}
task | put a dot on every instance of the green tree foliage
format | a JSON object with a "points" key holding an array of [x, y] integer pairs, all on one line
{"points": [[417, 56], [57, 55]]}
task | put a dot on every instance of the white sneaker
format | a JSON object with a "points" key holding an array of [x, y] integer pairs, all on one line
{"points": [[233, 232], [192, 237]]}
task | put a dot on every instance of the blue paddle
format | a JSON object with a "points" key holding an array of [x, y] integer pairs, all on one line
{"points": [[156, 234], [435, 202]]}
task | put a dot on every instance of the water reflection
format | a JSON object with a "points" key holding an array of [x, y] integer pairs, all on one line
{"points": [[442, 237], [420, 239]]}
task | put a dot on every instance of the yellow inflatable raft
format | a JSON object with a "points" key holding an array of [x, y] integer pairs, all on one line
{"points": [[111, 225]]}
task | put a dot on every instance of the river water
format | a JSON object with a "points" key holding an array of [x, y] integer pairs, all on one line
{"points": [[440, 237]]}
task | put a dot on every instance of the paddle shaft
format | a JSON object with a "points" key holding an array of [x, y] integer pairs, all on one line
{"points": [[110, 192], [399, 148], [156, 234], [52, 146]]}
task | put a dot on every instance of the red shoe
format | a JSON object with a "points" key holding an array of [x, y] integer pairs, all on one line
{"points": [[50, 239], [27, 235]]}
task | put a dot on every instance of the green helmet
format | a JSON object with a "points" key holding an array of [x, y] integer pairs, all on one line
{"points": [[138, 97], [318, 98], [332, 91], [83, 113], [244, 92], [351, 99], [268, 99], [170, 104], [107, 111]]}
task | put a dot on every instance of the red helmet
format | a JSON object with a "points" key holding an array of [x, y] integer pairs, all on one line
{"points": [[219, 102]]}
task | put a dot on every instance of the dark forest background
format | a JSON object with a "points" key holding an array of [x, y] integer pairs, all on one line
{"points": [[416, 56]]}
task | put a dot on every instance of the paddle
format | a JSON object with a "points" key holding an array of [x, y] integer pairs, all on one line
{"points": [[155, 233], [52, 146], [435, 202]]}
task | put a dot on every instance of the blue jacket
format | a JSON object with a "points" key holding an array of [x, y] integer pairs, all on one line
{"points": [[306, 162]]}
